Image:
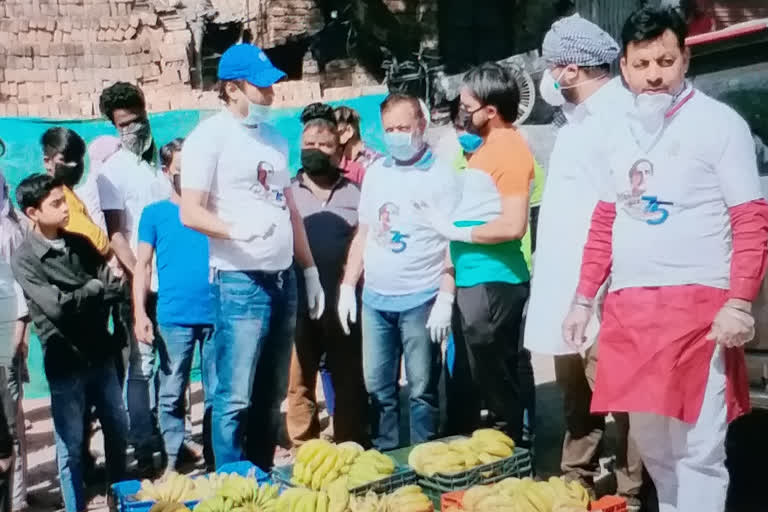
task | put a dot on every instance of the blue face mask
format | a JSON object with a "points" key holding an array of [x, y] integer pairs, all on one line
{"points": [[402, 146], [257, 114], [470, 142]]}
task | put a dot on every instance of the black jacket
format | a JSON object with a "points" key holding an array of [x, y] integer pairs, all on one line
{"points": [[71, 322]]}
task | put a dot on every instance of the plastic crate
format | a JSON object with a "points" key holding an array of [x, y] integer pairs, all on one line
{"points": [[519, 465], [609, 504], [452, 499], [122, 494], [402, 476]]}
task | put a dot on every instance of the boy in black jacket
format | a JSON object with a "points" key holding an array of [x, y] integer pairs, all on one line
{"points": [[69, 289]]}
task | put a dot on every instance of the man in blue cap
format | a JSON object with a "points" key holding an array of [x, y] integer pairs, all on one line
{"points": [[236, 189]]}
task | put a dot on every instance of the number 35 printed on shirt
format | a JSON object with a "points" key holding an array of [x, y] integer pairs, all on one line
{"points": [[398, 241], [654, 208]]}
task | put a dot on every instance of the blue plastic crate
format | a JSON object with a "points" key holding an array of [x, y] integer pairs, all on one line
{"points": [[122, 494]]}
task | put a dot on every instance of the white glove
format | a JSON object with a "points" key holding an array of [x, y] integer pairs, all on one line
{"points": [[575, 323], [347, 307], [247, 231], [443, 225], [315, 293], [439, 321], [732, 326]]}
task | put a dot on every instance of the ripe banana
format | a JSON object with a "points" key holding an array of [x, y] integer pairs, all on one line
{"points": [[525, 495]]}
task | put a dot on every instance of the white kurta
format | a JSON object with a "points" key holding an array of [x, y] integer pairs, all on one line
{"points": [[575, 180]]}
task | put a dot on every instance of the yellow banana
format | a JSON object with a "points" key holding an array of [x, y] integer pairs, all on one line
{"points": [[322, 502], [490, 434], [496, 448]]}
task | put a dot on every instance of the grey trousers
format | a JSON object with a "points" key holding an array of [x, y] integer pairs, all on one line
{"points": [[584, 431]]}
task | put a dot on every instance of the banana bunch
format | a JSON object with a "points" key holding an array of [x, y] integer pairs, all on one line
{"points": [[241, 494], [208, 485], [239, 490], [298, 499], [319, 463], [173, 487], [484, 447], [368, 467], [168, 506], [516, 495], [406, 499]]}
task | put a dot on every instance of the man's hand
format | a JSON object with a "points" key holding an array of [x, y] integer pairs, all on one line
{"points": [[143, 329], [347, 307], [439, 321], [247, 231], [734, 325], [442, 225], [575, 323], [315, 293]]}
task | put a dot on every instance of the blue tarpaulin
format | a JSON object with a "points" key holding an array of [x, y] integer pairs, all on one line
{"points": [[24, 156]]}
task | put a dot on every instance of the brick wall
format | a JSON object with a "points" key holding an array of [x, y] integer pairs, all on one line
{"points": [[56, 56]]}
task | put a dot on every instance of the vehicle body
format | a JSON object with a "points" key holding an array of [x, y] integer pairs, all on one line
{"points": [[731, 65]]}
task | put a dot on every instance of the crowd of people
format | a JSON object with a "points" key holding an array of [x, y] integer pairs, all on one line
{"points": [[651, 244]]}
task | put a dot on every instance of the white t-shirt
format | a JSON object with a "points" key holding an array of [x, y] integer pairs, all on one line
{"points": [[128, 183], [576, 171], [12, 307], [672, 223], [88, 192], [245, 172], [403, 254]]}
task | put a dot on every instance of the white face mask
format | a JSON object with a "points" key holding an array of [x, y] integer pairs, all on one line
{"points": [[646, 120], [551, 90], [257, 114]]}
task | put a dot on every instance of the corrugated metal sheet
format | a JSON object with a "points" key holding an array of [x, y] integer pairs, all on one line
{"points": [[608, 14]]}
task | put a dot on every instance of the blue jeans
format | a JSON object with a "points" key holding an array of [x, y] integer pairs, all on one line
{"points": [[140, 387], [97, 385], [176, 351], [256, 319], [386, 337]]}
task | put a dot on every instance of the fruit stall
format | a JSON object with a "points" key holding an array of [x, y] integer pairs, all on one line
{"points": [[481, 472]]}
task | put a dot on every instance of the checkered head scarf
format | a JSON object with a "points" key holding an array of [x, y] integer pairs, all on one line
{"points": [[574, 40]]}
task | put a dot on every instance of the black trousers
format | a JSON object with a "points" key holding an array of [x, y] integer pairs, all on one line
{"points": [[488, 320], [7, 416]]}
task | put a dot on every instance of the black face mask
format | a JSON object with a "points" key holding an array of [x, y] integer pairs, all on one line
{"points": [[466, 121], [69, 175], [316, 163]]}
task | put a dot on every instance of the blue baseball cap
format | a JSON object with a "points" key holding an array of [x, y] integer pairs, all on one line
{"points": [[249, 63]]}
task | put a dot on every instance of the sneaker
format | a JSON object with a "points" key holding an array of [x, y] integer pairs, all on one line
{"points": [[634, 504], [145, 468], [284, 456], [191, 452], [327, 434]]}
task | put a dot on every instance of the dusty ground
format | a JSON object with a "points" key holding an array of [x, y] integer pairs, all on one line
{"points": [[748, 449]]}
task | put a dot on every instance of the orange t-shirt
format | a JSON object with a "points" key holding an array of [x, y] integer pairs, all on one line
{"points": [[506, 158]]}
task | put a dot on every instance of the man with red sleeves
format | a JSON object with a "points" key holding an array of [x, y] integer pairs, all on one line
{"points": [[687, 255]]}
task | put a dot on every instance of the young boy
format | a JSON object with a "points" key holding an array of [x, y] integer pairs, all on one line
{"points": [[69, 290], [184, 307]]}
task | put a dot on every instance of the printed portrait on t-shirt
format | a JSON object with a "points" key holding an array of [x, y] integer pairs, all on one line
{"points": [[265, 172], [637, 201], [386, 236]]}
